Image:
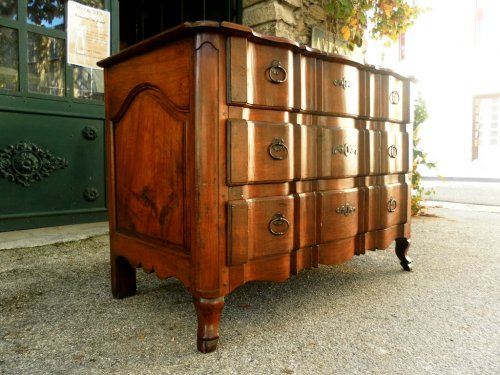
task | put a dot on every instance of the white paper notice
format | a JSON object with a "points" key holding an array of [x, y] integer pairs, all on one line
{"points": [[88, 34]]}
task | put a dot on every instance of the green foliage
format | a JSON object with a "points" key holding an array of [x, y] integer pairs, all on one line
{"points": [[419, 193], [348, 20]]}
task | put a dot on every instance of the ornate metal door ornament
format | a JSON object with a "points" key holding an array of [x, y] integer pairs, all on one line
{"points": [[25, 163]]}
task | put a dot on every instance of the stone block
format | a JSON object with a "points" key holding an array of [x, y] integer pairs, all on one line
{"points": [[278, 28], [316, 12], [294, 3], [267, 12], [249, 3]]}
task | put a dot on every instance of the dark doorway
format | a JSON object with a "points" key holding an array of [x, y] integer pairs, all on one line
{"points": [[142, 19]]}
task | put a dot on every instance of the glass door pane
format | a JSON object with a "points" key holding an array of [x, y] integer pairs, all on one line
{"points": [[46, 13], [88, 83], [46, 60], [9, 59], [8, 9], [99, 4]]}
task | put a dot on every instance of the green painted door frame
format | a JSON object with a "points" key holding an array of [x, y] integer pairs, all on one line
{"points": [[52, 167]]}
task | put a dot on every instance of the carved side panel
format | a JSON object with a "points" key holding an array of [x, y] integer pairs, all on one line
{"points": [[150, 169]]}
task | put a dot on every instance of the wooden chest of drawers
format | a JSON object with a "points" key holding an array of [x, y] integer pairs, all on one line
{"points": [[235, 157]]}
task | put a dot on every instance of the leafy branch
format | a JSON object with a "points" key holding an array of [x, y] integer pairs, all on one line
{"points": [[347, 20], [419, 193]]}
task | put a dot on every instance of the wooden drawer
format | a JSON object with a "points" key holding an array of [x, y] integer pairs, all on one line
{"points": [[389, 97], [260, 75], [386, 201], [394, 99], [340, 152], [394, 152], [259, 228], [338, 214], [342, 89], [393, 204], [259, 152]]}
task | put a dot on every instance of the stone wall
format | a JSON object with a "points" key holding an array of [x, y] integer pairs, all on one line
{"points": [[293, 19]]}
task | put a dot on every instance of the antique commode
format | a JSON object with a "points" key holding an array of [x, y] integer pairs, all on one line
{"points": [[234, 157]]}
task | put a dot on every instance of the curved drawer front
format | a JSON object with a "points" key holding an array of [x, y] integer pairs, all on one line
{"points": [[342, 89], [340, 152], [259, 152], [260, 75], [306, 152], [338, 214], [259, 228], [372, 148], [394, 152], [393, 204], [305, 220], [375, 99], [306, 90], [372, 207]]}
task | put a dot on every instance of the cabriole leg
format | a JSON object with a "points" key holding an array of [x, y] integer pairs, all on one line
{"points": [[209, 313], [123, 282], [402, 246]]}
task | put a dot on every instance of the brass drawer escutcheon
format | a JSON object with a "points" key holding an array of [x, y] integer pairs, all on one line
{"points": [[392, 205], [346, 209], [278, 149], [278, 225], [343, 82], [277, 72], [344, 149]]}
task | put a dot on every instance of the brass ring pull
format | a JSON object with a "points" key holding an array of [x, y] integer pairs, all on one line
{"points": [[346, 209], [278, 225], [277, 72], [392, 205], [278, 149], [394, 97], [392, 151]]}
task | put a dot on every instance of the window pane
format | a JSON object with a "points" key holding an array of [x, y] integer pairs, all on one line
{"points": [[9, 59], [99, 4], [88, 83], [45, 64], [46, 13], [8, 9]]}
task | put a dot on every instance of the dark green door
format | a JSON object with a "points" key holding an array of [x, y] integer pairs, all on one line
{"points": [[51, 112], [51, 120]]}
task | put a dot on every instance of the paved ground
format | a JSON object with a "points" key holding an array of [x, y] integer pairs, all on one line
{"points": [[366, 316], [469, 191], [46, 236]]}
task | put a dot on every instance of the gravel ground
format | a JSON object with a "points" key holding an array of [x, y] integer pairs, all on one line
{"points": [[366, 316]]}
